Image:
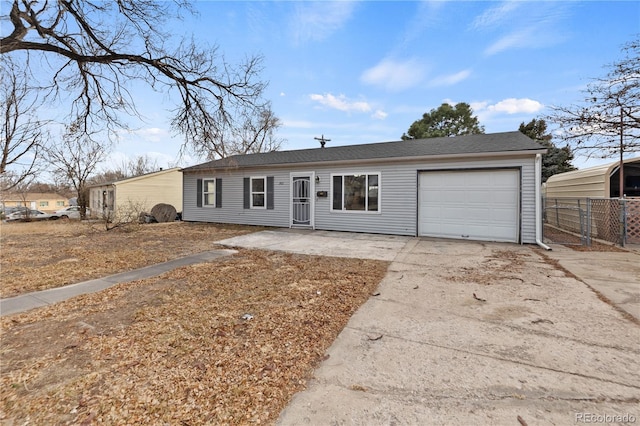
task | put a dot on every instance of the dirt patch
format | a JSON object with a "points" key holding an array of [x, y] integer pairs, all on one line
{"points": [[502, 266], [557, 236], [226, 342], [40, 255]]}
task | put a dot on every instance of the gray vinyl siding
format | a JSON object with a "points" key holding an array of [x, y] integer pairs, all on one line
{"points": [[232, 209], [398, 188]]}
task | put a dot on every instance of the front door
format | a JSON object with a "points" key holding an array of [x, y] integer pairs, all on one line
{"points": [[301, 201]]}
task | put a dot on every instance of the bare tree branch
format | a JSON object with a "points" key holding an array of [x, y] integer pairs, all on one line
{"points": [[611, 108], [75, 159], [98, 50], [21, 134]]}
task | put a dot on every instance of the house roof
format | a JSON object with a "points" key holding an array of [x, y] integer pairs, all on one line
{"points": [[31, 196], [469, 144], [134, 178]]}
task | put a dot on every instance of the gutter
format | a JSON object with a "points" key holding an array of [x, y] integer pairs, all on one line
{"points": [[538, 184]]}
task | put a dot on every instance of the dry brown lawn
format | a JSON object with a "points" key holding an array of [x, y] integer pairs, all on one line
{"points": [[174, 349], [40, 255]]}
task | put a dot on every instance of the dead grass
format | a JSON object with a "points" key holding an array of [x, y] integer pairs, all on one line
{"points": [[40, 255], [174, 349]]}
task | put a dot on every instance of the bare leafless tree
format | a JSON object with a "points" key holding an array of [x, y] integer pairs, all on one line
{"points": [[253, 130], [136, 166], [607, 123], [74, 159], [21, 133], [98, 50]]}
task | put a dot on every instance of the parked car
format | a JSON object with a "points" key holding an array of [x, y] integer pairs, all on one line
{"points": [[29, 215], [71, 212], [8, 210]]}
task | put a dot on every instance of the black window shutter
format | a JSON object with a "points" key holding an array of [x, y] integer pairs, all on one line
{"points": [[199, 193], [270, 192], [247, 193], [218, 193]]}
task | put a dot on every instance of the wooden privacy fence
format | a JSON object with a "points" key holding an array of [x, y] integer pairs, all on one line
{"points": [[609, 219]]}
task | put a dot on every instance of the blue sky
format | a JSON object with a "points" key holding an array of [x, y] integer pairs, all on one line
{"points": [[363, 71]]}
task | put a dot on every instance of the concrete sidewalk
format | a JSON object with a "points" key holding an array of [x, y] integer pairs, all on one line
{"points": [[38, 299]]}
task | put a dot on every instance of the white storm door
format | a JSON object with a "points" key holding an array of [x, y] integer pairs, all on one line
{"points": [[301, 201]]}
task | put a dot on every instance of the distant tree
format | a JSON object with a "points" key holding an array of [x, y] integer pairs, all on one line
{"points": [[55, 188], [140, 165], [74, 159], [21, 133], [607, 123], [93, 52], [556, 160], [445, 121], [251, 132]]}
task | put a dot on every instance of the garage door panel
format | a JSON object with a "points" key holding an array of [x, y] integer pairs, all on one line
{"points": [[479, 205]]}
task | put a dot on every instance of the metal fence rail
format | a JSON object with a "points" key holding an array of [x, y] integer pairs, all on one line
{"points": [[579, 220]]}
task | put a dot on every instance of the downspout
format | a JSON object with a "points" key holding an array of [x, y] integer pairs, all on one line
{"points": [[538, 184]]}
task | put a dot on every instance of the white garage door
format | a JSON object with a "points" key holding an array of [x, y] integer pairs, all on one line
{"points": [[475, 205]]}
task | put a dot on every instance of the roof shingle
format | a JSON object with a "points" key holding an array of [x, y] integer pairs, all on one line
{"points": [[469, 144]]}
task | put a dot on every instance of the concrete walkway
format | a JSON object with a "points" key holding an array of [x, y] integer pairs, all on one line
{"points": [[323, 243], [37, 299], [615, 275]]}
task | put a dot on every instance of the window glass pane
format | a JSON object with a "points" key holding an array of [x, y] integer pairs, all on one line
{"points": [[354, 192], [258, 200], [373, 193], [337, 192], [208, 192], [209, 199], [257, 185]]}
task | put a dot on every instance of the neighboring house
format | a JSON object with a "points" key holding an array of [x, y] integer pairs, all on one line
{"points": [[48, 202], [139, 193], [596, 182], [477, 187]]}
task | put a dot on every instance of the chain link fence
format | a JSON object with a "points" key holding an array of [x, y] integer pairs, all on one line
{"points": [[579, 220]]}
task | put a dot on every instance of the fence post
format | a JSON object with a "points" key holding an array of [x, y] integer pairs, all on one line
{"points": [[623, 221], [581, 223], [557, 215], [588, 222]]}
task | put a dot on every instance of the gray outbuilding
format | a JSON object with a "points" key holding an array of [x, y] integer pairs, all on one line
{"points": [[477, 187]]}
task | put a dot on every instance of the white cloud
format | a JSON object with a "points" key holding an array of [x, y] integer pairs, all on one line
{"points": [[521, 38], [495, 15], [379, 115], [395, 75], [341, 103], [450, 79], [523, 25], [516, 106], [153, 134], [316, 21]]}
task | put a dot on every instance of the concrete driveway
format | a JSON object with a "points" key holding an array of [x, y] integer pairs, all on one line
{"points": [[467, 333]]}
